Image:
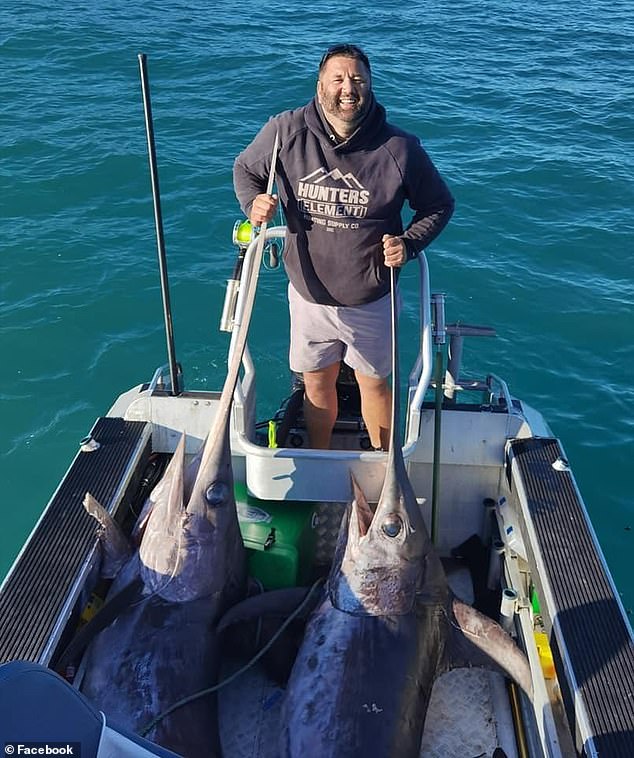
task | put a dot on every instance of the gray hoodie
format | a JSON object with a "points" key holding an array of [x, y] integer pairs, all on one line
{"points": [[340, 198]]}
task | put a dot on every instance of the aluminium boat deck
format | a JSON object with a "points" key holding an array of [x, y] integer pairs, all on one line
{"points": [[591, 637], [38, 595]]}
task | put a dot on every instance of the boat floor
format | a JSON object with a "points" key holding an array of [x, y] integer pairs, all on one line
{"points": [[464, 719], [468, 716]]}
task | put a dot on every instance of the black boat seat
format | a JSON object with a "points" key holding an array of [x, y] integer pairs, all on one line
{"points": [[38, 706]]}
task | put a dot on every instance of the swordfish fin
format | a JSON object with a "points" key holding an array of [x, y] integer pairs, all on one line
{"points": [[360, 508], [162, 489], [160, 549], [477, 640], [276, 603], [176, 471], [116, 550], [166, 499]]}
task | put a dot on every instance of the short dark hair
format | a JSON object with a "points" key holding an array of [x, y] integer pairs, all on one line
{"points": [[347, 51]]}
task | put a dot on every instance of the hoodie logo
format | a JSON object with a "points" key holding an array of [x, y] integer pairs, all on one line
{"points": [[324, 196]]}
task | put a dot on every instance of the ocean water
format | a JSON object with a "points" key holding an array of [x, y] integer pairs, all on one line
{"points": [[527, 110]]}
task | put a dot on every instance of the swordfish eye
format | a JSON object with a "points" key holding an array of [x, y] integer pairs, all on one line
{"points": [[217, 494], [392, 526]]}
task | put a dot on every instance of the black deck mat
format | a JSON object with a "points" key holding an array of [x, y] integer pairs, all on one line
{"points": [[595, 635], [34, 593]]}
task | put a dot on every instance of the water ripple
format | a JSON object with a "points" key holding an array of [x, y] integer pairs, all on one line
{"points": [[527, 110]]}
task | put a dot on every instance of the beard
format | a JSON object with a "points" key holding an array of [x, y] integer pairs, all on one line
{"points": [[349, 113]]}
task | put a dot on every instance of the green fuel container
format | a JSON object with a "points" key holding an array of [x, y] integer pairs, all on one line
{"points": [[279, 537]]}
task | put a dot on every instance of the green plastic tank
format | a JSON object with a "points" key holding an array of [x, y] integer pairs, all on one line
{"points": [[279, 537]]}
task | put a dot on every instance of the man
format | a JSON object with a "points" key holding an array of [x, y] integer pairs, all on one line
{"points": [[343, 175]]}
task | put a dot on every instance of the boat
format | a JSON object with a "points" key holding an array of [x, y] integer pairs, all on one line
{"points": [[498, 496], [506, 509]]}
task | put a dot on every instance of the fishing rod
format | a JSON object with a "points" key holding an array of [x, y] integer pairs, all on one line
{"points": [[238, 338], [439, 335], [174, 369], [242, 236]]}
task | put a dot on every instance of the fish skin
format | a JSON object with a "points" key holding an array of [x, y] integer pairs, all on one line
{"points": [[116, 550], [360, 678], [159, 492], [389, 627], [152, 656], [192, 565], [340, 700]]}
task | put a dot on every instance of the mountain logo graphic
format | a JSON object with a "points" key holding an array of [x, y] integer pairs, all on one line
{"points": [[320, 175]]}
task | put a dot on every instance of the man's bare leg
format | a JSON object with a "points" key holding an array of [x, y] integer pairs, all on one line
{"points": [[376, 408], [320, 405]]}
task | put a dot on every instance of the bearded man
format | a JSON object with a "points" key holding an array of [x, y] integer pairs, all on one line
{"points": [[343, 175]]}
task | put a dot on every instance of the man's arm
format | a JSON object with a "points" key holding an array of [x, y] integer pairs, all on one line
{"points": [[430, 199], [250, 176]]}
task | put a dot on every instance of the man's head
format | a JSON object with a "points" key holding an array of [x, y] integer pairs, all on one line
{"points": [[344, 87], [346, 51]]}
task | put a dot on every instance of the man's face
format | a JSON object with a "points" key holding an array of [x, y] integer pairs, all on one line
{"points": [[343, 90]]}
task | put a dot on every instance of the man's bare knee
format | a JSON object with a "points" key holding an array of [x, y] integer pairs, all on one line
{"points": [[376, 407], [320, 404], [373, 385], [322, 382]]}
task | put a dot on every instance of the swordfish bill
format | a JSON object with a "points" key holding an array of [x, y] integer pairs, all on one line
{"points": [[387, 628], [190, 567]]}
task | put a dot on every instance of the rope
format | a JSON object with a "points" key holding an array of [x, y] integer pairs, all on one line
{"points": [[209, 690]]}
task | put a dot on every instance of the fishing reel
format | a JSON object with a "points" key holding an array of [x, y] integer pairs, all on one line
{"points": [[242, 236]]}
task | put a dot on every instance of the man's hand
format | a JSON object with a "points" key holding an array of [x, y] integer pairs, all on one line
{"points": [[263, 209], [394, 250]]}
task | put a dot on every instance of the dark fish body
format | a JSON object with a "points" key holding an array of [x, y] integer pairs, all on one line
{"points": [[190, 567], [357, 688], [361, 685], [153, 655], [390, 626]]}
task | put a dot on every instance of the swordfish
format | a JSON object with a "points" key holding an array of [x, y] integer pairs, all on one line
{"points": [[161, 647], [189, 568], [387, 628]]}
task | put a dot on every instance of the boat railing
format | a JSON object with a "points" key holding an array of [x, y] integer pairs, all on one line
{"points": [[243, 386], [505, 394], [160, 380], [419, 377]]}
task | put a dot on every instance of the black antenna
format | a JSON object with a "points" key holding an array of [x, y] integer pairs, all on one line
{"points": [[158, 219]]}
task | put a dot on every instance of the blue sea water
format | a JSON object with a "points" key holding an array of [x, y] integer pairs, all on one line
{"points": [[526, 108]]}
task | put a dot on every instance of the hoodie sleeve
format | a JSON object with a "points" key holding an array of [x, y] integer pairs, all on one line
{"points": [[429, 198], [251, 168]]}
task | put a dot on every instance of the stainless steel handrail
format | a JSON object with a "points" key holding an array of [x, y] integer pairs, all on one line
{"points": [[420, 375], [274, 232]]}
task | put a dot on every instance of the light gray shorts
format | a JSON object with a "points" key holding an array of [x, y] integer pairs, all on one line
{"points": [[321, 335]]}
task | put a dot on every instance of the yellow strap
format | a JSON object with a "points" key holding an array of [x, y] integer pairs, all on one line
{"points": [[272, 434]]}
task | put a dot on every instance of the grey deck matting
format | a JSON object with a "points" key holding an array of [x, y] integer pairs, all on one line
{"points": [[589, 628], [34, 594]]}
